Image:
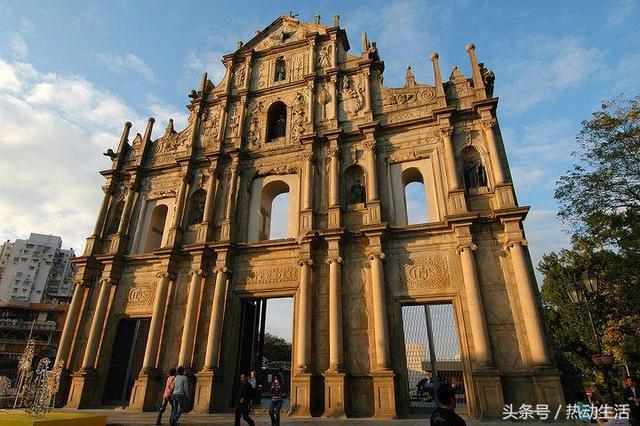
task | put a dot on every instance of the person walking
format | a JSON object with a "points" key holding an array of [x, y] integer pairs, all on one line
{"points": [[180, 395], [277, 393], [445, 414], [257, 388], [167, 396], [245, 393]]}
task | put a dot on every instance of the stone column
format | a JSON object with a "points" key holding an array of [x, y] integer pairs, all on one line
{"points": [[157, 319], [312, 56], [307, 201], [475, 305], [334, 177], [126, 212], [381, 326], [180, 202], [494, 154], [528, 303], [225, 233], [70, 323], [367, 89], [372, 189], [450, 157], [335, 314], [334, 100], [99, 317], [215, 323], [211, 196], [304, 317], [191, 314], [102, 214]]}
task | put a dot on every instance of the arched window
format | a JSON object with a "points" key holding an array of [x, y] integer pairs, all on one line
{"points": [[196, 209], [354, 185], [274, 211], [475, 174], [155, 231], [114, 217], [280, 70], [277, 121], [415, 196]]}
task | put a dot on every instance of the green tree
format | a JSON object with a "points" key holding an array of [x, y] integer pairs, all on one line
{"points": [[276, 348], [599, 200]]}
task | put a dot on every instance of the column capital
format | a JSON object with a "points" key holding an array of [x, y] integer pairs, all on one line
{"points": [[107, 189], [337, 259], [466, 245], [108, 281], [166, 275], [333, 152], [369, 145], [488, 123], [374, 256], [307, 156], [511, 243], [222, 270], [80, 283], [446, 132], [303, 262], [197, 272]]}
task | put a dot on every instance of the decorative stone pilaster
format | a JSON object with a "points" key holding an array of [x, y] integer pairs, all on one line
{"points": [[173, 237], [70, 323], [207, 217], [373, 202], [190, 316], [306, 213], [230, 204], [301, 379], [98, 228], [457, 202], [119, 241], [334, 187], [203, 402]]}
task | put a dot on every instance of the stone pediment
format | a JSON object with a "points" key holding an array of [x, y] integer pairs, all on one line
{"points": [[166, 147], [280, 32]]}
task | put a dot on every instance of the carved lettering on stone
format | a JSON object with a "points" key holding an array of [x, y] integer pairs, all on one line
{"points": [[140, 297], [269, 277], [425, 273]]}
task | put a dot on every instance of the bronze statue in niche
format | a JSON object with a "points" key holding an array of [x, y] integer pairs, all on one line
{"points": [[475, 175], [281, 69], [277, 119]]}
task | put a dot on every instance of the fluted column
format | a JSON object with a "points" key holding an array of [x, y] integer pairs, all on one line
{"points": [[215, 322], [372, 190], [334, 177], [335, 314], [97, 323], [304, 316], [450, 157], [475, 305], [528, 303], [307, 201], [70, 323], [102, 214], [155, 328], [126, 212], [381, 326], [182, 195], [189, 328], [488, 128]]}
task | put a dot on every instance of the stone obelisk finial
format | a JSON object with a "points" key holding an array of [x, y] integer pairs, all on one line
{"points": [[475, 69], [365, 42], [336, 20], [437, 76]]}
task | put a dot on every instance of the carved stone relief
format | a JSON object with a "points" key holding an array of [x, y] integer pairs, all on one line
{"points": [[298, 116], [140, 297], [351, 97], [425, 273], [282, 276], [210, 127], [324, 56]]}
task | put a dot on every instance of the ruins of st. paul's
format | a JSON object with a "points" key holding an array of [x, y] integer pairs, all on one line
{"points": [[181, 263]]}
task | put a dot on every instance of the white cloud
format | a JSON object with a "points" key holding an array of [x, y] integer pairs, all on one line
{"points": [[546, 141], [619, 12], [55, 129], [541, 68], [122, 64], [195, 64], [17, 45], [626, 74], [544, 234]]}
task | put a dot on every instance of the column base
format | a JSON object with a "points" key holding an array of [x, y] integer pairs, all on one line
{"points": [[547, 388], [373, 215], [203, 400], [202, 232], [334, 217], [490, 399], [306, 221], [92, 243], [173, 237], [301, 395], [225, 230], [82, 393], [384, 395], [144, 395], [504, 196], [334, 394]]}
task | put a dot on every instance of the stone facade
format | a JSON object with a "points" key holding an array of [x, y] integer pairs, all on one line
{"points": [[182, 234]]}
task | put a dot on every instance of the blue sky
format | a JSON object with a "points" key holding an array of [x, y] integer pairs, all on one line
{"points": [[72, 72]]}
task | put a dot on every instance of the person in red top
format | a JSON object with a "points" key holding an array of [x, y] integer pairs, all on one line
{"points": [[166, 396]]}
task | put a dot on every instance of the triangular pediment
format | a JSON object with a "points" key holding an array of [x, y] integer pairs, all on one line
{"points": [[280, 32]]}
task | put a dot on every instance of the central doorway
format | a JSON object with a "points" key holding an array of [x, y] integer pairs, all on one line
{"points": [[432, 349], [266, 333], [126, 361]]}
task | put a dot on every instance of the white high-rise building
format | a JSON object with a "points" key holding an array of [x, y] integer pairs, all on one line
{"points": [[36, 270]]}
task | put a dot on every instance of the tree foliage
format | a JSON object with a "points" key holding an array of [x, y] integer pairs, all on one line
{"points": [[276, 348], [599, 200]]}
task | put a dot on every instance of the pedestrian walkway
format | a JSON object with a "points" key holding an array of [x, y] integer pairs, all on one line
{"points": [[120, 417]]}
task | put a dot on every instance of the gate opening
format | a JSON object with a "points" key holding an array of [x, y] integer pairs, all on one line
{"points": [[126, 361], [432, 349], [266, 331]]}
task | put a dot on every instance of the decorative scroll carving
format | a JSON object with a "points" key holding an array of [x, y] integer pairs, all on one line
{"points": [[165, 147], [425, 273], [352, 96], [409, 155], [238, 80], [140, 297], [210, 126], [254, 126], [324, 98], [298, 116], [271, 277], [285, 34], [298, 66], [234, 123], [324, 56], [161, 193]]}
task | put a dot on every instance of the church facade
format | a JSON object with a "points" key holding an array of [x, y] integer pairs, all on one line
{"points": [[182, 239]]}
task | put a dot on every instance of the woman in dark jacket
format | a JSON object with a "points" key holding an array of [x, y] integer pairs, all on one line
{"points": [[277, 393]]}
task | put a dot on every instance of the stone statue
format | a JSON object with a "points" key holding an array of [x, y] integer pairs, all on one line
{"points": [[281, 126], [475, 176], [488, 78], [281, 72], [372, 52], [356, 194], [198, 211]]}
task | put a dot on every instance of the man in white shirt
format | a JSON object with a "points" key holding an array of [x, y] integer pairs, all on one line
{"points": [[180, 395]]}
